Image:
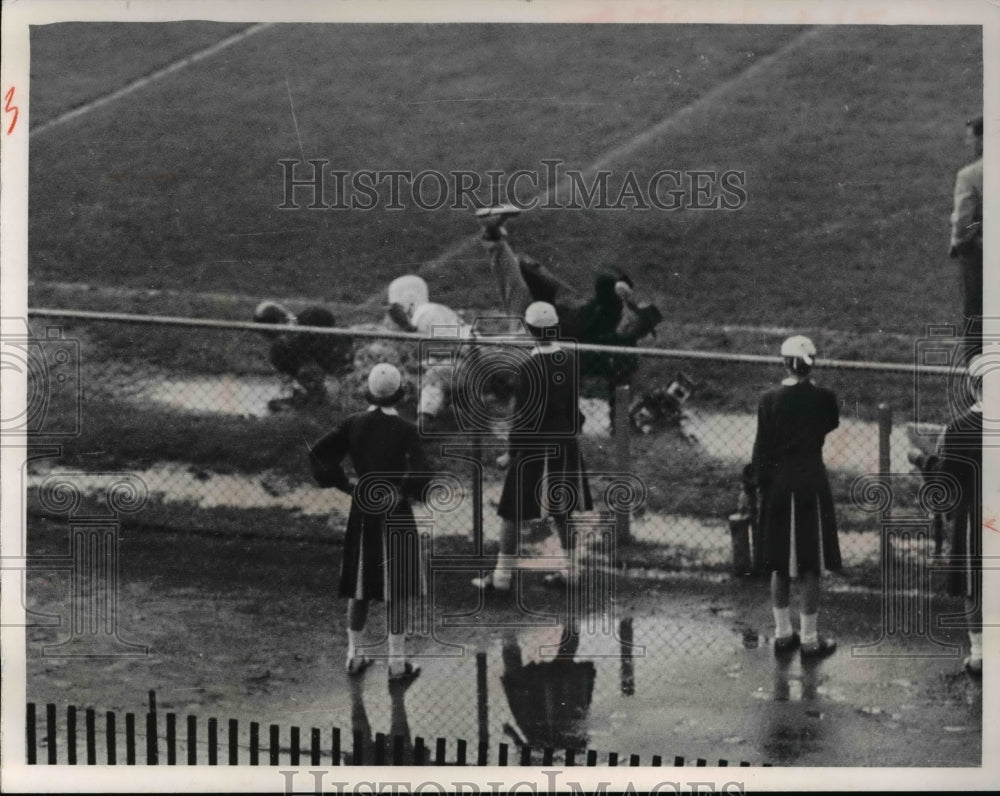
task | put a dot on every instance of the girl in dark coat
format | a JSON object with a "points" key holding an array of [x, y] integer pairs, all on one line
{"points": [[961, 454], [797, 514], [381, 547], [545, 473]]}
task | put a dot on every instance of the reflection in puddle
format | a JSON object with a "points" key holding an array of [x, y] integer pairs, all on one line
{"points": [[227, 395]]}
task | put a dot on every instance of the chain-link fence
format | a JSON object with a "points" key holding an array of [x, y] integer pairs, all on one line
{"points": [[217, 420], [204, 428]]}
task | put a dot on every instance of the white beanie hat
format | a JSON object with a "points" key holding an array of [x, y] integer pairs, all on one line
{"points": [[799, 347], [384, 381], [541, 314]]}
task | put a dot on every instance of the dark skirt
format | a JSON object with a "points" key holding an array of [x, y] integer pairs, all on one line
{"points": [[382, 556], [800, 531], [965, 566], [545, 477]]}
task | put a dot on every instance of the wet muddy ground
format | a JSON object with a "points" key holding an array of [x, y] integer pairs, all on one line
{"points": [[253, 630]]}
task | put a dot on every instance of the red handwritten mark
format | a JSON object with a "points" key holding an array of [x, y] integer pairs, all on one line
{"points": [[8, 108], [991, 524]]}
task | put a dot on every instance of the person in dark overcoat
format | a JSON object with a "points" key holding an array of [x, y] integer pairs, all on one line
{"points": [[381, 547], [961, 460], [545, 476], [797, 513]]}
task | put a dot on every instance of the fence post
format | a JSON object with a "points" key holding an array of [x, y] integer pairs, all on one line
{"points": [[884, 435], [482, 701], [623, 456], [884, 469], [109, 738], [71, 735], [476, 533], [50, 732], [32, 738], [91, 730]]}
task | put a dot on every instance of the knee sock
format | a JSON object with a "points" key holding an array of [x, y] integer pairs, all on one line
{"points": [[353, 642], [504, 571], [976, 646], [809, 633], [782, 622], [397, 652]]}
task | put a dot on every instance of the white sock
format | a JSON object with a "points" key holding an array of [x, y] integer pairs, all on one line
{"points": [[782, 622], [353, 637], [809, 633], [397, 652], [575, 563], [976, 646], [504, 571]]}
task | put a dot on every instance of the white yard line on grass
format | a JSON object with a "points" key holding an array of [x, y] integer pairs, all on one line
{"points": [[636, 142], [142, 82]]}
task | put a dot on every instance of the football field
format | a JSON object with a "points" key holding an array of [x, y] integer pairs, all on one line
{"points": [[754, 180], [846, 139]]}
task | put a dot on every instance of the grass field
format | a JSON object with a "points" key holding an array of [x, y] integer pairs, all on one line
{"points": [[849, 140], [165, 201]]}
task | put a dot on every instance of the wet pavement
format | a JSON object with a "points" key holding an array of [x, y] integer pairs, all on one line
{"points": [[679, 666]]}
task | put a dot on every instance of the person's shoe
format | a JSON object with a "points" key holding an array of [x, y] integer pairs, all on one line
{"points": [[488, 583], [786, 644], [819, 648], [559, 580], [357, 665], [974, 666], [492, 219], [405, 676], [503, 211]]}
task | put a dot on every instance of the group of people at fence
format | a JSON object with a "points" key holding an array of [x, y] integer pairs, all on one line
{"points": [[547, 477]]}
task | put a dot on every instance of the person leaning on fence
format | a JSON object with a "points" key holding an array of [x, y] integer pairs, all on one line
{"points": [[960, 452], [610, 316], [381, 548], [797, 512], [304, 359], [545, 470], [410, 310]]}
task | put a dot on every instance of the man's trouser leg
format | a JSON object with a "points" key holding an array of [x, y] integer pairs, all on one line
{"points": [[971, 265]]}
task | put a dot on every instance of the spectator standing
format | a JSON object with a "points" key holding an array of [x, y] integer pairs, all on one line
{"points": [[797, 512]]}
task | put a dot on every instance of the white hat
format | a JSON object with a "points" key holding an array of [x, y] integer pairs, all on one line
{"points": [[384, 381], [272, 312], [410, 291], [541, 314], [799, 347]]}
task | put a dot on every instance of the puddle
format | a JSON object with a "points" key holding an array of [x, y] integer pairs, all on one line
{"points": [[852, 447], [727, 436], [706, 542], [225, 395], [690, 541]]}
